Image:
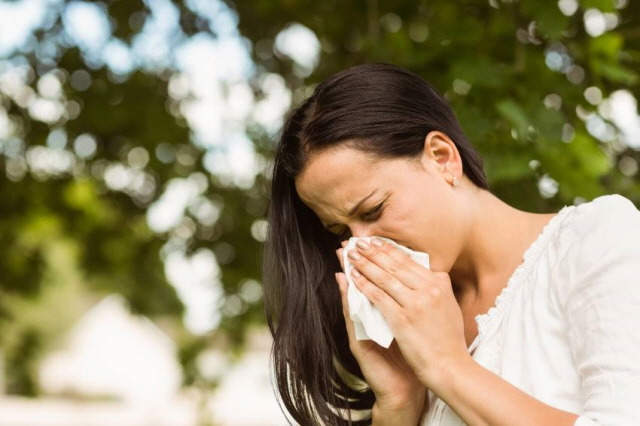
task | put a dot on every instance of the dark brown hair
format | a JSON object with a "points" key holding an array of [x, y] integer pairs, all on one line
{"points": [[383, 111]]}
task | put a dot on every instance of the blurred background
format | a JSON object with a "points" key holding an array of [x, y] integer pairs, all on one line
{"points": [[136, 140]]}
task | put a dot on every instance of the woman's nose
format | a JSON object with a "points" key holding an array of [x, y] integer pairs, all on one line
{"points": [[360, 230]]}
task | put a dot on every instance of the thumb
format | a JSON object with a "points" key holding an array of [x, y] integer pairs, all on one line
{"points": [[341, 278]]}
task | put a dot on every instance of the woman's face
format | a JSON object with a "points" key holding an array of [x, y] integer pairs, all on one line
{"points": [[410, 201]]}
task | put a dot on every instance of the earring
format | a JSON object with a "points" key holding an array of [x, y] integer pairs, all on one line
{"points": [[455, 180]]}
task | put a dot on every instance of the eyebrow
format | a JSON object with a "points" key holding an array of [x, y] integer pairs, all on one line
{"points": [[354, 209]]}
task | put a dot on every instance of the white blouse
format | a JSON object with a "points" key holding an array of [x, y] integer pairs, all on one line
{"points": [[566, 328]]}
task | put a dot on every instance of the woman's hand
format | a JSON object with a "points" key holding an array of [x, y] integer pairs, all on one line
{"points": [[419, 306], [399, 393]]}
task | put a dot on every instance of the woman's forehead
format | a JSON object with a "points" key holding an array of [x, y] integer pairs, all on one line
{"points": [[340, 172], [334, 181]]}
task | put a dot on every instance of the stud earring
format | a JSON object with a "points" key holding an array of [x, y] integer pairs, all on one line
{"points": [[455, 181]]}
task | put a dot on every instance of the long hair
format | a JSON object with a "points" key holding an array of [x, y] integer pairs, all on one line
{"points": [[383, 111]]}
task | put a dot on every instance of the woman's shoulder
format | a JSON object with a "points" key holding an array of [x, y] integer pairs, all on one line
{"points": [[602, 245], [607, 202], [609, 215], [595, 229]]}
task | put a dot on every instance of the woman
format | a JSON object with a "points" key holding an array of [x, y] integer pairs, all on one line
{"points": [[521, 319]]}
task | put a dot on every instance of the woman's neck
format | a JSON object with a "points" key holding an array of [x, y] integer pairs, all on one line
{"points": [[498, 237]]}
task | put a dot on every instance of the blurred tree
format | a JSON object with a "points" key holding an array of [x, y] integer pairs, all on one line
{"points": [[88, 148], [528, 80]]}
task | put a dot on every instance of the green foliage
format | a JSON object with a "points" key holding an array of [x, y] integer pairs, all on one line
{"points": [[21, 379], [515, 72], [115, 250], [494, 62]]}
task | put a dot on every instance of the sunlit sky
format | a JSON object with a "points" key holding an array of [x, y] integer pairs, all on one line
{"points": [[210, 84]]}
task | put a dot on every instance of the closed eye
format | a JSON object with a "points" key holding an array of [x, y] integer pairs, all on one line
{"points": [[373, 213]]}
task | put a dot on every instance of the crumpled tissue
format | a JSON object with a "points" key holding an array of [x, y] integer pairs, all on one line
{"points": [[367, 319]]}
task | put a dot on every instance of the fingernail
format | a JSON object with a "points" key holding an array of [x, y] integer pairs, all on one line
{"points": [[363, 245], [377, 242], [353, 255], [355, 273]]}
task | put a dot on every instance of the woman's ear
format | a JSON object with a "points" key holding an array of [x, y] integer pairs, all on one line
{"points": [[441, 153]]}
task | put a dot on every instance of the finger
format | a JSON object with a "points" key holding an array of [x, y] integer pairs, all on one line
{"points": [[387, 305], [384, 281], [343, 285], [393, 260], [339, 253], [344, 243]]}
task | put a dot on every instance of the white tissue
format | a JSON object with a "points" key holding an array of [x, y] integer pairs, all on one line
{"points": [[367, 319]]}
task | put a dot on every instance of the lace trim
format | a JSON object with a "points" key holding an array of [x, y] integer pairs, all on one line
{"points": [[529, 257]]}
